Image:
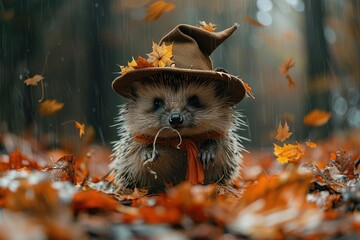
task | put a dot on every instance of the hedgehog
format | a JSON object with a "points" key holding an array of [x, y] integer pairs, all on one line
{"points": [[178, 116]]}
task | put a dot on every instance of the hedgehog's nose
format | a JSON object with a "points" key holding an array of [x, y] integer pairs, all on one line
{"points": [[176, 119]]}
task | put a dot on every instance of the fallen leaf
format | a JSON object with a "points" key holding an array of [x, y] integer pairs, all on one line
{"points": [[161, 55], [63, 170], [49, 107], [33, 81], [81, 128], [155, 10], [283, 132], [253, 21], [289, 153], [317, 118], [91, 200], [211, 27]]}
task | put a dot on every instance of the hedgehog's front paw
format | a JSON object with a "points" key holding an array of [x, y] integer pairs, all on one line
{"points": [[207, 153], [148, 154]]}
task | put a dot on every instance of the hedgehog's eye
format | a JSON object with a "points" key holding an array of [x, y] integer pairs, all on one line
{"points": [[157, 103], [194, 101]]}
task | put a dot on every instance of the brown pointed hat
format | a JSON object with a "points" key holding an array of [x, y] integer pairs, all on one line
{"points": [[191, 50]]}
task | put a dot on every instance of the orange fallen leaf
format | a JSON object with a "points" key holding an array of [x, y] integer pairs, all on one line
{"points": [[283, 132], [317, 118], [49, 107], [310, 144], [161, 55], [253, 21], [33, 81], [155, 10], [91, 200], [81, 128], [211, 27], [289, 153]]}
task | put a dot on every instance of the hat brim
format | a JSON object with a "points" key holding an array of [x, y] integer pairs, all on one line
{"points": [[234, 87]]}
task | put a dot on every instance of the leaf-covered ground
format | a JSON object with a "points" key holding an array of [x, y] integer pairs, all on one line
{"points": [[54, 194]]}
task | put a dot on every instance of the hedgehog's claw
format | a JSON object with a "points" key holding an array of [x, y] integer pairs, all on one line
{"points": [[206, 157]]}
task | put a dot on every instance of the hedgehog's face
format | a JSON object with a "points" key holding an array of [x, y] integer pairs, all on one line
{"points": [[189, 107]]}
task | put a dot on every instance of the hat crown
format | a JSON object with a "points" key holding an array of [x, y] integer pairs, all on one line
{"points": [[192, 45]]}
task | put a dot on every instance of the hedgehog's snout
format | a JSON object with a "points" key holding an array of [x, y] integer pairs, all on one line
{"points": [[176, 119]]}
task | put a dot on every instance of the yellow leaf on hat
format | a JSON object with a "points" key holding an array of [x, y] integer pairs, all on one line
{"points": [[129, 67], [161, 55], [211, 27]]}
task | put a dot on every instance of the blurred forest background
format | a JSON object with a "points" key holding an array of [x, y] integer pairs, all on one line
{"points": [[85, 40]]}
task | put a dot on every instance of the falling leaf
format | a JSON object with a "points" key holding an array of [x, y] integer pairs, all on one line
{"points": [[286, 66], [253, 21], [33, 81], [142, 63], [289, 153], [291, 81], [248, 90], [283, 132], [317, 118], [284, 70], [156, 9], [161, 55], [310, 144], [129, 67], [49, 107], [211, 27], [81, 128]]}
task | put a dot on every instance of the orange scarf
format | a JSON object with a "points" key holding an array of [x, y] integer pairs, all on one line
{"points": [[195, 171]]}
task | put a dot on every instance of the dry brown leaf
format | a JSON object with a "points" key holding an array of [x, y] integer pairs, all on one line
{"points": [[283, 132], [33, 81], [63, 169], [49, 107], [161, 55], [253, 21], [155, 10], [317, 118], [211, 27]]}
